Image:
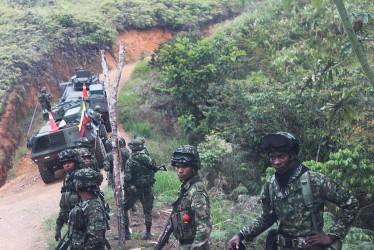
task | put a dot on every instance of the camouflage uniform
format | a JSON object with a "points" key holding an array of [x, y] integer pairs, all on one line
{"points": [[108, 162], [138, 181], [290, 213], [194, 234], [69, 197], [93, 162], [45, 99], [87, 220]]}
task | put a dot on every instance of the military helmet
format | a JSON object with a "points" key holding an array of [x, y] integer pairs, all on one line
{"points": [[280, 141], [97, 108], [83, 142], [87, 179], [186, 154], [137, 144], [83, 152], [69, 155], [43, 90]]}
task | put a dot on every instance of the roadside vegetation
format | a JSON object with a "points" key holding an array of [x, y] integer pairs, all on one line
{"points": [[267, 70], [32, 31]]}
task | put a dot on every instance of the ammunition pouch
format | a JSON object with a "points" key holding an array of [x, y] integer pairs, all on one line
{"points": [[78, 228], [184, 231]]}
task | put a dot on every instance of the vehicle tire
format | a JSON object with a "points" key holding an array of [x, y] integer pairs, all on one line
{"points": [[47, 175], [100, 152]]}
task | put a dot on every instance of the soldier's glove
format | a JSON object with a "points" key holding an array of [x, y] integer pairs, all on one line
{"points": [[58, 232]]}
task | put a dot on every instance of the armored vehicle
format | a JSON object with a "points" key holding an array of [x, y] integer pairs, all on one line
{"points": [[84, 76], [66, 115]]}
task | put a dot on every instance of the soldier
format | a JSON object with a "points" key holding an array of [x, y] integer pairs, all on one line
{"points": [[190, 219], [294, 197], [89, 161], [108, 162], [87, 220], [45, 99], [71, 161], [138, 181]]}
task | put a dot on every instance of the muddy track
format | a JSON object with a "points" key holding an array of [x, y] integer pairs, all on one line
{"points": [[25, 201]]}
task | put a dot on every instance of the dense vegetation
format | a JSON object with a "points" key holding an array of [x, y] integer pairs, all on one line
{"points": [[32, 30], [267, 70]]}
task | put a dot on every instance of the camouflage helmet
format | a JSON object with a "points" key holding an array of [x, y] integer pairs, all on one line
{"points": [[186, 154], [84, 152], [69, 155], [83, 142], [121, 142], [137, 144], [87, 179], [43, 90], [280, 141], [97, 108]]}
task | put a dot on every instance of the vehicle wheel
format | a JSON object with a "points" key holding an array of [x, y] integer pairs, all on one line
{"points": [[100, 152], [47, 175]]}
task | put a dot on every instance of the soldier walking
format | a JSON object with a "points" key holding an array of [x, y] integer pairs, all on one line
{"points": [[294, 197], [138, 181], [88, 220], [70, 161], [45, 99], [190, 220]]}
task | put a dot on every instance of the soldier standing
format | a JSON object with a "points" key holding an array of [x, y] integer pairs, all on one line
{"points": [[89, 161], [191, 222], [45, 99], [138, 181], [87, 220], [298, 212], [70, 161], [108, 162]]}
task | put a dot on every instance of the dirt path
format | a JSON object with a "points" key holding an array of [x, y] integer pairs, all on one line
{"points": [[25, 201]]}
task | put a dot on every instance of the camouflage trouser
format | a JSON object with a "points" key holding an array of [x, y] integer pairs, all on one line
{"points": [[145, 195], [109, 177]]}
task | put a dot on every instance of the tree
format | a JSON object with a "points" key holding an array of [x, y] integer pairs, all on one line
{"points": [[118, 191], [361, 56]]}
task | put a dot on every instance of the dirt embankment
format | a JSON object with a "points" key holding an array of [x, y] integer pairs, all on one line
{"points": [[59, 68], [25, 201]]}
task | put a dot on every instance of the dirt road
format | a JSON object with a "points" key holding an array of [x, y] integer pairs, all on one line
{"points": [[26, 202]]}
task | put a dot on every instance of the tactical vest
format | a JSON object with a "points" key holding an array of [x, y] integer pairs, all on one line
{"points": [[69, 196], [142, 174], [185, 232]]}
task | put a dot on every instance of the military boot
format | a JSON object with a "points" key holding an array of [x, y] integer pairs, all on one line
{"points": [[147, 235], [127, 233]]}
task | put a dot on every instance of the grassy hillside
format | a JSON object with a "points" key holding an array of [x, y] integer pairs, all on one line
{"points": [[32, 30], [266, 70]]}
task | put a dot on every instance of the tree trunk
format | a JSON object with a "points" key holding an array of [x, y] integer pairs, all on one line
{"points": [[354, 41], [118, 191], [106, 76]]}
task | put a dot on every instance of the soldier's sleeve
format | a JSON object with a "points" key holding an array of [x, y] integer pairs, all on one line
{"points": [[96, 226], [336, 193], [200, 205], [108, 163], [265, 220], [127, 172]]}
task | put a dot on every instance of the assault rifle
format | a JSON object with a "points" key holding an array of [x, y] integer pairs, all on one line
{"points": [[164, 238], [64, 243]]}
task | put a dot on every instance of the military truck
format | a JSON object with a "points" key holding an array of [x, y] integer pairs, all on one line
{"points": [[46, 144]]}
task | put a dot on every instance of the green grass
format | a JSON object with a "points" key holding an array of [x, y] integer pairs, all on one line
{"points": [[138, 128], [166, 186]]}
